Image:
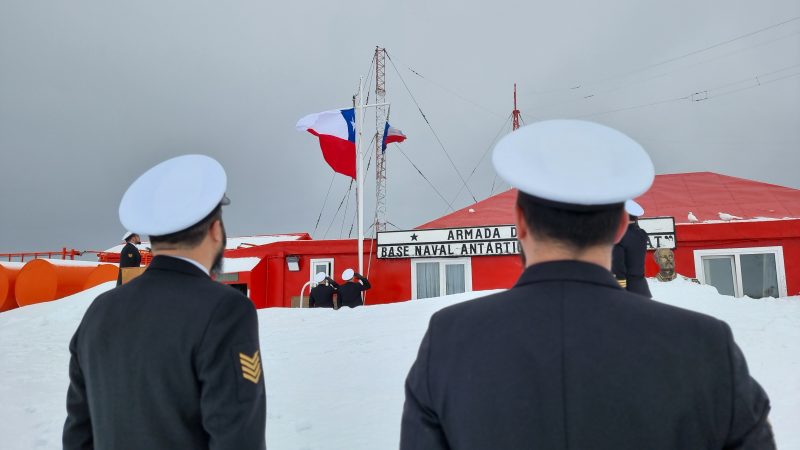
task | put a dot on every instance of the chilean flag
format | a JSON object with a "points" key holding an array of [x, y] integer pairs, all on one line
{"points": [[336, 131], [391, 134]]}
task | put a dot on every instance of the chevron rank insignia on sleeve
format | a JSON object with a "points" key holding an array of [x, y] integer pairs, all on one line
{"points": [[251, 367]]}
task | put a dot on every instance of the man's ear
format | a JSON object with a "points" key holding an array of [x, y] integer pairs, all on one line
{"points": [[216, 231], [522, 225], [623, 227]]}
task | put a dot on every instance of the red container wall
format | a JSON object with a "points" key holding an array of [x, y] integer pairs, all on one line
{"points": [[271, 284], [784, 234], [495, 272], [390, 279]]}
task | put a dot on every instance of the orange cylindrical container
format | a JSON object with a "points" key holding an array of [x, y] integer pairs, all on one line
{"points": [[100, 275], [42, 281], [8, 278]]}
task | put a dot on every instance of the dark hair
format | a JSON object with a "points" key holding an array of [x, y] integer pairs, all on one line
{"points": [[191, 236], [575, 229]]}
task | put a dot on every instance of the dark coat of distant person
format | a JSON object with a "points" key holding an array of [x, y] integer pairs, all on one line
{"points": [[129, 256], [568, 360], [628, 260], [167, 361], [350, 293], [321, 295]]}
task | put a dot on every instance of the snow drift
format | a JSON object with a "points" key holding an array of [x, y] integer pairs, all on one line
{"points": [[326, 370]]}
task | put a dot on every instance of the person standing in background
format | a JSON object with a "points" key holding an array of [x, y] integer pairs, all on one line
{"points": [[321, 295], [629, 254], [129, 256], [350, 292]]}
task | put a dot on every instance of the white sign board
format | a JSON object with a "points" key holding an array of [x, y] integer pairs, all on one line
{"points": [[453, 242], [660, 232]]}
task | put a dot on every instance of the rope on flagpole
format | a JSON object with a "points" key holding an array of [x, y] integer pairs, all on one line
{"points": [[435, 135]]}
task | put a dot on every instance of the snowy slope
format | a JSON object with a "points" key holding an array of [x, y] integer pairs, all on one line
{"points": [[335, 378]]}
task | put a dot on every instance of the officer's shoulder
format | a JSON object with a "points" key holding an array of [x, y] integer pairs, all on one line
{"points": [[477, 308]]}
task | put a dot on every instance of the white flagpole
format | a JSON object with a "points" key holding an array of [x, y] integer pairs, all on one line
{"points": [[360, 174]]}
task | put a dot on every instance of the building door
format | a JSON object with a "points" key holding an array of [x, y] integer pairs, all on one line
{"points": [[324, 265], [438, 277], [753, 272]]}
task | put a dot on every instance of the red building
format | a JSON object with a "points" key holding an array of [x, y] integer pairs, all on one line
{"points": [[475, 248]]}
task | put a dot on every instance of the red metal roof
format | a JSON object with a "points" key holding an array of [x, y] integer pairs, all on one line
{"points": [[495, 210], [703, 193]]}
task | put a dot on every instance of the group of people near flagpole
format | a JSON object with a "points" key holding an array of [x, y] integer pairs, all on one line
{"points": [[329, 294], [565, 359]]}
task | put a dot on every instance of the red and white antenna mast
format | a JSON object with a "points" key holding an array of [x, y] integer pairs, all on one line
{"points": [[380, 157], [515, 113]]}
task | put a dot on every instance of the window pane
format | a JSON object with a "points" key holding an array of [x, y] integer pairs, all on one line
{"points": [[719, 273], [759, 275], [454, 278], [427, 280]]}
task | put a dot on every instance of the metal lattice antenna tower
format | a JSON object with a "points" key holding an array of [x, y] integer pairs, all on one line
{"points": [[515, 113], [380, 121]]}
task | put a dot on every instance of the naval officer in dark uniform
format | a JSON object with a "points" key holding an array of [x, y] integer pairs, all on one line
{"points": [[129, 256], [171, 359], [627, 262], [349, 293], [321, 295], [566, 359]]}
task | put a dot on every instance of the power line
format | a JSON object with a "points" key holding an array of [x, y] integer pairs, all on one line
{"points": [[756, 78], [344, 214], [486, 152], [324, 203], [449, 205], [707, 94], [760, 83], [627, 108], [704, 49], [699, 63], [447, 89], [452, 163], [338, 209]]}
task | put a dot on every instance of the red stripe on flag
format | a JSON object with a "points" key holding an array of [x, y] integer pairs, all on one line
{"points": [[339, 153], [394, 138]]}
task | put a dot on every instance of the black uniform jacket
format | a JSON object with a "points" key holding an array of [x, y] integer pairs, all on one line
{"points": [[321, 295], [350, 293], [628, 260], [168, 361], [568, 360], [129, 256]]}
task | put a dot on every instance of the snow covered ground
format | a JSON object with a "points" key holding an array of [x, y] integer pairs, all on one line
{"points": [[335, 378]]}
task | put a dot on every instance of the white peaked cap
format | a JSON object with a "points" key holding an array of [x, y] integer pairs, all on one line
{"points": [[127, 235], [319, 277], [574, 164], [174, 195], [633, 208], [348, 274]]}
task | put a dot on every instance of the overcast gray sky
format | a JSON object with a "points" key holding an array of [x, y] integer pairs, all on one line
{"points": [[93, 92]]}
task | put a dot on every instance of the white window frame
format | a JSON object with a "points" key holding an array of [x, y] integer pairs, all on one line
{"points": [[316, 261], [467, 262], [736, 253]]}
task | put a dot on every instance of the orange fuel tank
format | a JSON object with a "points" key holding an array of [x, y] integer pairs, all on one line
{"points": [[42, 281], [8, 278], [101, 274]]}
